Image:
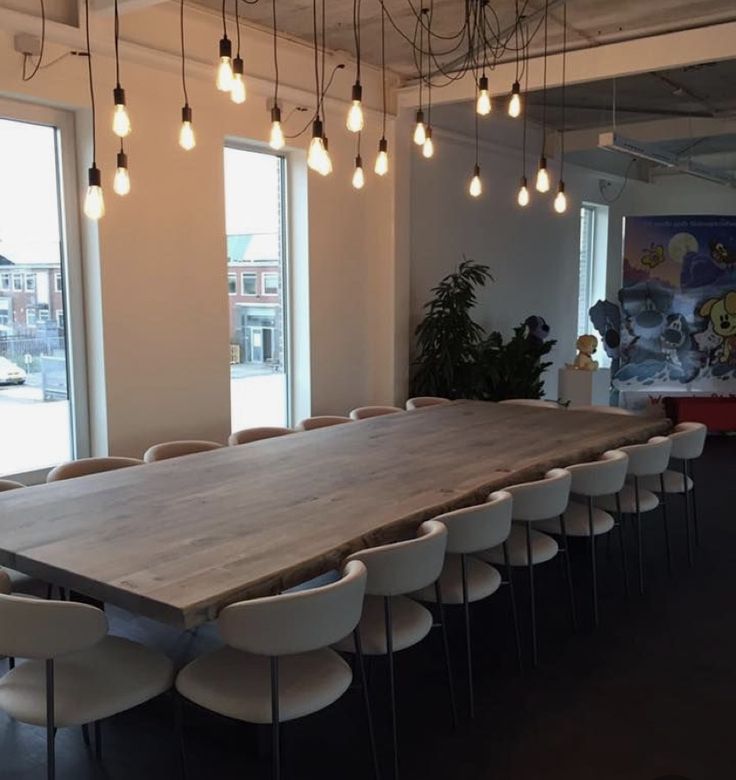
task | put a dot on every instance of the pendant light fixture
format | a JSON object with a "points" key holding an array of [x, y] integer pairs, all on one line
{"points": [[483, 104], [560, 203], [542, 183], [515, 99], [381, 164], [475, 188], [276, 138], [522, 197], [237, 89], [420, 130], [224, 79], [428, 145], [358, 174], [121, 181], [120, 118], [355, 119], [187, 140], [318, 156], [94, 201]]}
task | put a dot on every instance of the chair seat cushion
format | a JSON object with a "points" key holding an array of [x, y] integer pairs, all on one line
{"points": [[544, 548], [577, 522], [672, 483], [238, 685], [482, 578], [647, 501], [111, 677], [410, 622]]}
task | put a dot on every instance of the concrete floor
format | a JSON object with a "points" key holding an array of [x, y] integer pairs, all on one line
{"points": [[649, 695]]}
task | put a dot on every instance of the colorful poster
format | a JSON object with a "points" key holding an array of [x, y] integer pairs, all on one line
{"points": [[678, 305]]}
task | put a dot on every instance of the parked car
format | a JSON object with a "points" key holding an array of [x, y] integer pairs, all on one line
{"points": [[10, 374]]}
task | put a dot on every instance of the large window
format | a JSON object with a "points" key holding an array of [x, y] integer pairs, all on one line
{"points": [[42, 419], [593, 264], [255, 224]]}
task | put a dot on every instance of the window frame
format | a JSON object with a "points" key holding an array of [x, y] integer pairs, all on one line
{"points": [[232, 276], [18, 280], [72, 291], [250, 275], [596, 268], [264, 276], [58, 282], [6, 281]]}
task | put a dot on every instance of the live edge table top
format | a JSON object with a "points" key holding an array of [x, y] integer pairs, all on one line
{"points": [[179, 539]]}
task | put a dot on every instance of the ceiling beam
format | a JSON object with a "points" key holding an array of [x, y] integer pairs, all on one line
{"points": [[612, 60]]}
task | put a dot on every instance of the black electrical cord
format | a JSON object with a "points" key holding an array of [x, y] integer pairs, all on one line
{"points": [[37, 66], [564, 73], [383, 66], [183, 55], [224, 21], [544, 90], [237, 28], [117, 44], [275, 57], [91, 86]]}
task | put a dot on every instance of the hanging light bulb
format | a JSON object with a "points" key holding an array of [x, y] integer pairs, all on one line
{"points": [[428, 146], [120, 117], [237, 88], [542, 183], [355, 114], [358, 175], [326, 168], [476, 187], [381, 166], [316, 153], [187, 140], [523, 197], [420, 131], [276, 139], [121, 181], [225, 67], [515, 100], [94, 201], [483, 105], [561, 199]]}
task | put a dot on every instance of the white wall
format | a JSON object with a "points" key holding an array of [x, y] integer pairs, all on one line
{"points": [[533, 253], [156, 290]]}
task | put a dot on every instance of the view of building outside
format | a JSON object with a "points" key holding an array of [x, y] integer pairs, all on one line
{"points": [[35, 420], [254, 202]]}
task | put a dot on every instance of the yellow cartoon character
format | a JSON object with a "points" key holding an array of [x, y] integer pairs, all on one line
{"points": [[586, 346], [653, 256], [722, 315]]}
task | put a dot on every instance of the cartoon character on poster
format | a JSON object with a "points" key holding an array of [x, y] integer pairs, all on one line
{"points": [[678, 305]]}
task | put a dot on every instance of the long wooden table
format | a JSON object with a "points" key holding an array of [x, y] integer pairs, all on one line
{"points": [[179, 539]]}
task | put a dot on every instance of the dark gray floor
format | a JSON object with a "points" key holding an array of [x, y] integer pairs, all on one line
{"points": [[650, 694]]}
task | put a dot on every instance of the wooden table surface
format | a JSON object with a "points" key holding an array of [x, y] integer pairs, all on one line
{"points": [[177, 540]]}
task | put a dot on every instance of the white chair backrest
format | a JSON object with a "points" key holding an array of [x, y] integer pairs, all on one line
{"points": [[364, 412], [175, 449], [688, 440], [425, 400], [9, 484], [602, 477], [532, 402], [321, 421], [649, 459], [542, 499], [604, 410], [297, 622], [85, 466], [481, 527], [37, 628], [403, 567], [5, 584], [256, 434]]}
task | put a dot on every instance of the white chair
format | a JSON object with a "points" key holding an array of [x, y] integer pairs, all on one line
{"points": [[645, 460], [603, 409], [688, 443], [9, 484], [533, 502], [425, 400], [466, 579], [277, 664], [366, 412], [541, 403], [391, 621], [248, 435], [321, 421], [175, 449], [602, 477], [85, 466], [76, 673]]}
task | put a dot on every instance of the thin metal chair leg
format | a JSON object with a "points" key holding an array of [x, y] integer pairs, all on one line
{"points": [[366, 700], [593, 569], [179, 729], [532, 606], [686, 499], [98, 740], [85, 734], [446, 650], [568, 573], [11, 663], [622, 542], [693, 498], [639, 537], [50, 722], [468, 646], [665, 521], [514, 613], [275, 735], [391, 682]]}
